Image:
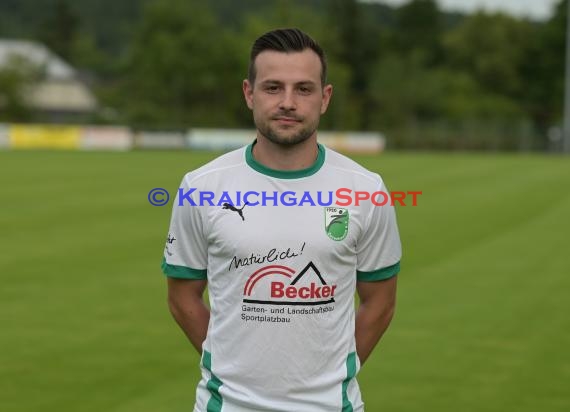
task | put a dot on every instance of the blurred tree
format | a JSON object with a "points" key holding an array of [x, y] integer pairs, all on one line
{"points": [[110, 22], [405, 91], [59, 30], [419, 30], [543, 70], [88, 56], [483, 46], [350, 47], [181, 68], [356, 44], [17, 75]]}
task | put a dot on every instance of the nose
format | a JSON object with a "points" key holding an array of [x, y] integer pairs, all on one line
{"points": [[288, 102]]}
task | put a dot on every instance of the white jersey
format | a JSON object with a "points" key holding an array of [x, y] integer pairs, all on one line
{"points": [[282, 264]]}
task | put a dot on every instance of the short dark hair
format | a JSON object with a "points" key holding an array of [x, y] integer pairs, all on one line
{"points": [[286, 40]]}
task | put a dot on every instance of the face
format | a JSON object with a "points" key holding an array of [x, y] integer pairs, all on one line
{"points": [[287, 98]]}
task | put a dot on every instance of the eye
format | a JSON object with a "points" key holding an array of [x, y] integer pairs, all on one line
{"points": [[305, 90], [272, 89]]}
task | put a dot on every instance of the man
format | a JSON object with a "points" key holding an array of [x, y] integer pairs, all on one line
{"points": [[281, 333]]}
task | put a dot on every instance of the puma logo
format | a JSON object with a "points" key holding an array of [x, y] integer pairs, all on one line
{"points": [[235, 209]]}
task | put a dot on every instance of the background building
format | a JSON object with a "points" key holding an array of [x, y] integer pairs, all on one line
{"points": [[56, 93]]}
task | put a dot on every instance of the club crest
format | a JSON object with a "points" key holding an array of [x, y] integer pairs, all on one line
{"points": [[336, 222]]}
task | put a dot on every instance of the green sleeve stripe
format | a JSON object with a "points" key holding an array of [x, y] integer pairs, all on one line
{"points": [[182, 272], [380, 274], [213, 385], [350, 374]]}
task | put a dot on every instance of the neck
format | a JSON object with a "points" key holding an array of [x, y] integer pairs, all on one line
{"points": [[279, 157]]}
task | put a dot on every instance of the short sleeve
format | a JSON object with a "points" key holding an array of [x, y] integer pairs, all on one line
{"points": [[379, 249], [185, 252]]}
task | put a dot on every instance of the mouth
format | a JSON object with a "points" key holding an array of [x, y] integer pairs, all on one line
{"points": [[287, 120]]}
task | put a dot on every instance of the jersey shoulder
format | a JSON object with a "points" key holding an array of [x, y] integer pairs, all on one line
{"points": [[227, 163], [339, 163]]}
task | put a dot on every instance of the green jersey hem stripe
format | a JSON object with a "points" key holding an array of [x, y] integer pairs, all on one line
{"points": [[285, 174], [213, 385], [380, 274], [350, 374], [182, 272]]}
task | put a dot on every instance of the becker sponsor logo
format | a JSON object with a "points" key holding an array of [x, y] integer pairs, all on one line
{"points": [[281, 285]]}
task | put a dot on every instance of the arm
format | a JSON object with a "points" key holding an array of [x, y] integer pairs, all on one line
{"points": [[374, 314], [186, 303]]}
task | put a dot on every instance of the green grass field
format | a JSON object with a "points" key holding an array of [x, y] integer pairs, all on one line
{"points": [[483, 317]]}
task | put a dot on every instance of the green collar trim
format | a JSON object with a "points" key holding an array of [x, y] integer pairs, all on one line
{"points": [[285, 174]]}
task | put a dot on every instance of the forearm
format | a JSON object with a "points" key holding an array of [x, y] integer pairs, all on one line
{"points": [[192, 317], [186, 303], [370, 326], [374, 314]]}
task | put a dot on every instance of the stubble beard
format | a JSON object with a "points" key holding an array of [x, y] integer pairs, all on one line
{"points": [[285, 138]]}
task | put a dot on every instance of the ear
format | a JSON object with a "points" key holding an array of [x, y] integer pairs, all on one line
{"points": [[327, 94], [248, 93]]}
